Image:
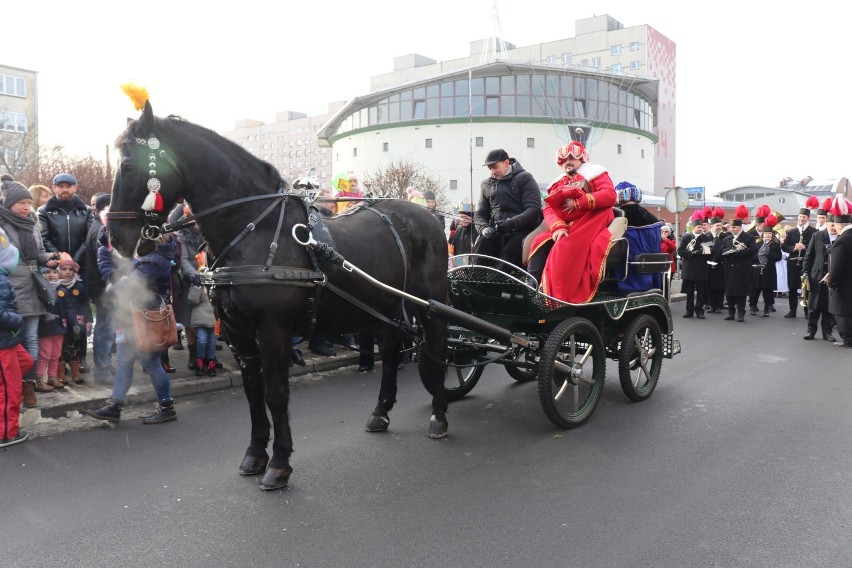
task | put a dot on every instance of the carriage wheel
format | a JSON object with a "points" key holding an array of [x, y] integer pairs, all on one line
{"points": [[521, 374], [571, 372], [461, 378], [640, 358]]}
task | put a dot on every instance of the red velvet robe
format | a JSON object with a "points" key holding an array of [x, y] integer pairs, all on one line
{"points": [[575, 265]]}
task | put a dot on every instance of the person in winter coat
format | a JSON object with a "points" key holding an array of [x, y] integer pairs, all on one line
{"points": [[103, 338], [51, 334], [73, 301], [19, 223], [202, 323], [14, 359], [465, 235], [509, 208], [147, 285]]}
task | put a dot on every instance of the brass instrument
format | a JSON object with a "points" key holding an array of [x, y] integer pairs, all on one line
{"points": [[692, 244], [806, 287]]}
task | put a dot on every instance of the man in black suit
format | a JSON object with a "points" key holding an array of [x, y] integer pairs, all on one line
{"points": [[840, 271], [738, 248], [694, 250], [815, 268], [795, 244]]}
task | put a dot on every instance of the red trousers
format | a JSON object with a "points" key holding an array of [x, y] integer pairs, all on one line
{"points": [[14, 362]]}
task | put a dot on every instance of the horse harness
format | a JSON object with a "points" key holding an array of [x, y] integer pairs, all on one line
{"points": [[225, 276]]}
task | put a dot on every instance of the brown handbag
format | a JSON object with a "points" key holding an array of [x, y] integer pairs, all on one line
{"points": [[155, 330]]}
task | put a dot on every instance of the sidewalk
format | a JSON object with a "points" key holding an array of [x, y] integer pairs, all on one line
{"points": [[68, 402]]}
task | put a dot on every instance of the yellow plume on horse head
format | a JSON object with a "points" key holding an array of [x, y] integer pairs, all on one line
{"points": [[137, 94]]}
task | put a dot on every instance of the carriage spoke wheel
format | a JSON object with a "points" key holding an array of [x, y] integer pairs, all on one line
{"points": [[462, 376], [640, 358], [571, 372]]}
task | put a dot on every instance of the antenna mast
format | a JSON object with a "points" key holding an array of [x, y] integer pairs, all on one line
{"points": [[495, 47]]}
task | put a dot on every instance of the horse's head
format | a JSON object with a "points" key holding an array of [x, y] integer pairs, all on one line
{"points": [[147, 184]]}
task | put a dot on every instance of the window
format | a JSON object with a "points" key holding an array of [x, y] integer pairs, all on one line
{"points": [[354, 152], [619, 148], [479, 142], [454, 184], [615, 50], [566, 57], [634, 65], [634, 46], [384, 147], [530, 142], [616, 68], [428, 142], [596, 61], [14, 86], [13, 121], [551, 59]]}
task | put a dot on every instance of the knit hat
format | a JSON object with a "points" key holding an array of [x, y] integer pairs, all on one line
{"points": [[47, 269], [429, 195], [13, 191], [626, 191], [572, 150], [8, 253], [102, 201], [66, 260]]}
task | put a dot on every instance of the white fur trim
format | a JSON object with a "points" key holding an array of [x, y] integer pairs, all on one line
{"points": [[591, 171]]}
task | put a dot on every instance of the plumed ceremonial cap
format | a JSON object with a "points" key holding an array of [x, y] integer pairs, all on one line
{"points": [[811, 203]]}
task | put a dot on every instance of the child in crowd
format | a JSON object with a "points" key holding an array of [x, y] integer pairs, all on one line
{"points": [[51, 334], [14, 359], [202, 321], [76, 313]]}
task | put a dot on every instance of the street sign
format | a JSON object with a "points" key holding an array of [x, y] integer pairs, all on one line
{"points": [[677, 199], [695, 192]]}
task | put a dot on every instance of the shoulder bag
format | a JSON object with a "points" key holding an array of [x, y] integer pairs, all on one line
{"points": [[45, 291]]}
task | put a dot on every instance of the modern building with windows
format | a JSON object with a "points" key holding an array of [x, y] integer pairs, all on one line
{"points": [[18, 117], [615, 84], [611, 87]]}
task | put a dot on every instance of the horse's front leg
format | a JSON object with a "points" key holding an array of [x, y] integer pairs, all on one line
{"points": [[391, 344], [274, 346], [256, 458], [431, 359]]}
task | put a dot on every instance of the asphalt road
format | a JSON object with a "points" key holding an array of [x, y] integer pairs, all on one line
{"points": [[740, 458]]}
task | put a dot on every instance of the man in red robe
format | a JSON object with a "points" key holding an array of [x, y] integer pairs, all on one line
{"points": [[577, 212]]}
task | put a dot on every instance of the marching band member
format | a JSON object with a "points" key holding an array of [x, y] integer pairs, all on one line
{"points": [[694, 268], [763, 267], [840, 270], [795, 244], [814, 270], [716, 272], [738, 248]]}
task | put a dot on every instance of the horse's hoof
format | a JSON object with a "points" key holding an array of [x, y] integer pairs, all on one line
{"points": [[437, 429], [253, 465], [275, 478], [377, 423]]}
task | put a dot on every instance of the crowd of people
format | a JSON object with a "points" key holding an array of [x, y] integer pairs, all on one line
{"points": [[61, 282]]}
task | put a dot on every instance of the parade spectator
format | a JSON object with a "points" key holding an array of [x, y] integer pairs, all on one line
{"points": [[738, 249], [14, 359], [19, 224], [465, 235], [763, 267], [51, 333], [578, 212], [148, 286], [432, 206], [815, 269], [41, 194], [795, 244], [509, 208], [65, 220], [104, 333], [73, 301], [668, 245], [840, 270], [202, 323]]}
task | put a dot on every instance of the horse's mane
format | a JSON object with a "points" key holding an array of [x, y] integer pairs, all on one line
{"points": [[242, 163]]}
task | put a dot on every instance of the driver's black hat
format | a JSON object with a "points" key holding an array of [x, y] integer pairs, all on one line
{"points": [[495, 156]]}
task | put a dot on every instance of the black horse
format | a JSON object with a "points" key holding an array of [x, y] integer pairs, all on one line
{"points": [[265, 284]]}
